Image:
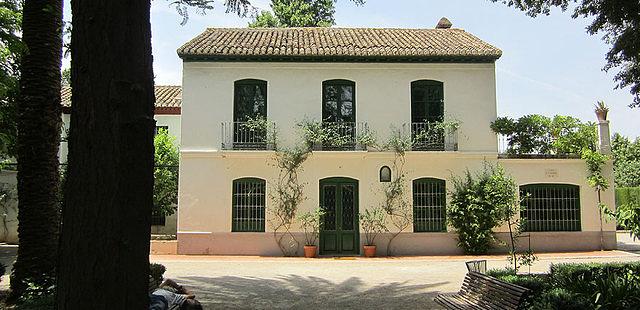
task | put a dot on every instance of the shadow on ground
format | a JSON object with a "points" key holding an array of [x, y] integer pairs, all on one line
{"points": [[299, 292], [627, 243]]}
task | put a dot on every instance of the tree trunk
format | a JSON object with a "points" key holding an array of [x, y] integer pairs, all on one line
{"points": [[104, 259], [38, 142]]}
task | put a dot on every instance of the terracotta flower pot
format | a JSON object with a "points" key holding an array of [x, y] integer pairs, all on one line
{"points": [[369, 251], [310, 251]]}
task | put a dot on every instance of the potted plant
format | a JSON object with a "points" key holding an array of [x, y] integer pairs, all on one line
{"points": [[310, 222], [601, 111], [372, 222]]}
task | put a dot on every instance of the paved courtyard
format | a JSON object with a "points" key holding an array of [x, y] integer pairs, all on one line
{"points": [[329, 283]]}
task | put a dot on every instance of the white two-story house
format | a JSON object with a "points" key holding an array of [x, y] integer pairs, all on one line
{"points": [[380, 80]]}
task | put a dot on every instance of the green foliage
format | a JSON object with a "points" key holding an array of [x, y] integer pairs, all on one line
{"points": [[298, 13], [265, 19], [372, 222], [627, 213], [260, 127], [606, 286], [626, 161], [595, 160], [538, 134], [559, 299], [165, 174], [310, 222], [478, 204], [537, 283], [66, 77], [618, 22], [287, 195], [11, 48]]}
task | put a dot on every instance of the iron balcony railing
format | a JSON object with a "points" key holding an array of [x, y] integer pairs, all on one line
{"points": [[433, 136], [247, 136], [529, 148], [341, 136]]}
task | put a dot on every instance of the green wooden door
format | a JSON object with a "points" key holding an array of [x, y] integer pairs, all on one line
{"points": [[339, 233]]}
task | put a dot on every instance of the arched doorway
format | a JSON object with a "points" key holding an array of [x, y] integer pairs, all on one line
{"points": [[339, 233]]}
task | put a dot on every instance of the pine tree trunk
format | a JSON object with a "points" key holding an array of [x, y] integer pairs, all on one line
{"points": [[38, 142], [104, 259]]}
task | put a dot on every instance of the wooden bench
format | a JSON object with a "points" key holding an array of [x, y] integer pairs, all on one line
{"points": [[480, 291]]}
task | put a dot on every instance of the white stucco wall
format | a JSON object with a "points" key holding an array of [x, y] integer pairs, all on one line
{"points": [[294, 91], [382, 99]]}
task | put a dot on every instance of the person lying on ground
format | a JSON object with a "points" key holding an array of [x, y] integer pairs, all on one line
{"points": [[172, 296]]}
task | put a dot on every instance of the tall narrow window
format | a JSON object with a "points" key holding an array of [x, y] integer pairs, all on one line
{"points": [[427, 101], [551, 207], [248, 210], [339, 113], [249, 103], [429, 201], [427, 108]]}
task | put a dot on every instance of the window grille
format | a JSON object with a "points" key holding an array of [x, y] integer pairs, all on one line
{"points": [[551, 207], [248, 211], [158, 128], [429, 201]]}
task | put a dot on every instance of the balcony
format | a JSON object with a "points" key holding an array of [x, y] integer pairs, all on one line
{"points": [[433, 136], [339, 136], [252, 135]]}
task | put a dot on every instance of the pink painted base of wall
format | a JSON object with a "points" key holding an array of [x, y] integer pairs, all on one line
{"points": [[164, 247], [406, 244]]}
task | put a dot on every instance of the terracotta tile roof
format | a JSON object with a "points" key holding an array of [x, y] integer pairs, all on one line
{"points": [[168, 97], [338, 44]]}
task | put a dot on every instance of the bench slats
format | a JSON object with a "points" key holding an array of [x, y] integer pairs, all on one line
{"points": [[479, 292]]}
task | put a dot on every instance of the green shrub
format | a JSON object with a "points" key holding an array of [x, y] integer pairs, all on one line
{"points": [[559, 299], [45, 302], [607, 286], [478, 204], [537, 283]]}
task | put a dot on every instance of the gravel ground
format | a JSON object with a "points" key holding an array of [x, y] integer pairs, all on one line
{"points": [[298, 283]]}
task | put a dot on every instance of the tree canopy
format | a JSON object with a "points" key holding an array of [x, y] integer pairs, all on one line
{"points": [[626, 161], [298, 13], [619, 23], [11, 48], [165, 174]]}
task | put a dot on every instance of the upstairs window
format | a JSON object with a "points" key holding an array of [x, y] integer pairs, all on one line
{"points": [[427, 101], [250, 100], [248, 205], [339, 101], [551, 207], [429, 205]]}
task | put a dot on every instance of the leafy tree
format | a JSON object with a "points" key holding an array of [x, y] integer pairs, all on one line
{"points": [[298, 13], [538, 134], [626, 161], [38, 125], [617, 20], [104, 250], [165, 174], [11, 48]]}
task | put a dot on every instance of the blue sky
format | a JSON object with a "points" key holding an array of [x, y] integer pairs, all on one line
{"points": [[550, 65]]}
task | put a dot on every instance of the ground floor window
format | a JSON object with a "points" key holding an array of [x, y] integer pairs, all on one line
{"points": [[551, 207], [248, 213], [429, 201]]}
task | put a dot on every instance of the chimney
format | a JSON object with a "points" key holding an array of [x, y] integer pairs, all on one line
{"points": [[444, 23], [604, 137]]}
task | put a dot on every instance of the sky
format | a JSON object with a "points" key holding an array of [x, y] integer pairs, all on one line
{"points": [[550, 65]]}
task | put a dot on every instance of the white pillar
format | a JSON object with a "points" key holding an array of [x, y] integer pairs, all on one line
{"points": [[604, 137]]}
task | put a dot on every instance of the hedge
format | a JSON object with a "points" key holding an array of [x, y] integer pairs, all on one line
{"points": [[625, 195]]}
